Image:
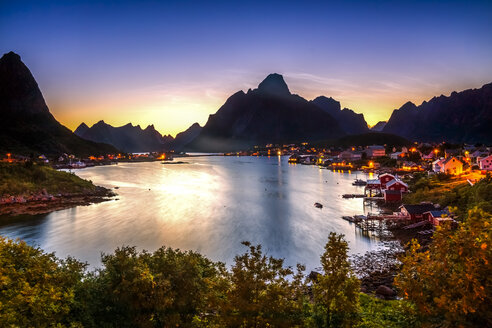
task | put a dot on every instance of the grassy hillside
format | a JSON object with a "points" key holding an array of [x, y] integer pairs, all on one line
{"points": [[366, 139], [25, 178]]}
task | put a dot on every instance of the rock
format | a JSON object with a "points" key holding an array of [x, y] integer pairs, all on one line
{"points": [[385, 291]]}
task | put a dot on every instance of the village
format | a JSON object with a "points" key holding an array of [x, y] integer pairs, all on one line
{"points": [[390, 169]]}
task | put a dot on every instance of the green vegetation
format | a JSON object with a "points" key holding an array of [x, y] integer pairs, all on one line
{"points": [[28, 177], [448, 285], [451, 191], [450, 282], [367, 139]]}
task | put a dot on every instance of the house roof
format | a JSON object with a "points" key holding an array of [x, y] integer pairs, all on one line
{"points": [[419, 208], [438, 214], [488, 157], [392, 182], [382, 175], [450, 159], [373, 181]]}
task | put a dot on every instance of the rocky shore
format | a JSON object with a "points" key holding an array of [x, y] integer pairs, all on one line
{"points": [[43, 202]]}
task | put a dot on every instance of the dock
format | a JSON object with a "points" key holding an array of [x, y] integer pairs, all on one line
{"points": [[353, 195]]}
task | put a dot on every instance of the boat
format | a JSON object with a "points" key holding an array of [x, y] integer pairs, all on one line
{"points": [[359, 182], [318, 205]]}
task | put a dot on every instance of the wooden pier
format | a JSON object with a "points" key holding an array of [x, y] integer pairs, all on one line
{"points": [[374, 222]]}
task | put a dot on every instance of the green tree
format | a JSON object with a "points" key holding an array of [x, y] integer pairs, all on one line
{"points": [[336, 291], [167, 288], [36, 289], [261, 293], [451, 280]]}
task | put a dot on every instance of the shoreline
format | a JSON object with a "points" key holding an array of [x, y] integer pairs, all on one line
{"points": [[55, 203]]}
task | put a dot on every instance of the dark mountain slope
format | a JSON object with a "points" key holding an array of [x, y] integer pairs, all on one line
{"points": [[128, 138], [462, 117], [269, 114], [26, 124], [349, 121]]}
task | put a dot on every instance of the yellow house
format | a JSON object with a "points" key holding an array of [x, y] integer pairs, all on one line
{"points": [[452, 165]]}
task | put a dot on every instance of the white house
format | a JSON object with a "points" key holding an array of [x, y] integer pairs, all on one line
{"points": [[437, 165]]}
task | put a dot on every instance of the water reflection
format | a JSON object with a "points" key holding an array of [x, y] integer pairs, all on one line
{"points": [[209, 205]]}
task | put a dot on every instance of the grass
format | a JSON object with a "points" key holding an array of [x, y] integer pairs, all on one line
{"points": [[26, 178]]}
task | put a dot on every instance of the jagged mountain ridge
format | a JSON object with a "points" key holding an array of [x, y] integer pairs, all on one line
{"points": [[128, 138], [268, 114], [464, 116]]}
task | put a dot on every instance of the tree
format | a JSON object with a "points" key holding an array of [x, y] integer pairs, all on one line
{"points": [[451, 281], [261, 294], [167, 288], [36, 289], [336, 291]]}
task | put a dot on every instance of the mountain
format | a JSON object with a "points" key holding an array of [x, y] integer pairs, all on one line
{"points": [[185, 137], [462, 117], [128, 138], [379, 126], [26, 124], [349, 121], [268, 114]]}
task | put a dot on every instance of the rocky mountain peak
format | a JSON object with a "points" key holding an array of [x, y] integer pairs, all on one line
{"points": [[274, 84]]}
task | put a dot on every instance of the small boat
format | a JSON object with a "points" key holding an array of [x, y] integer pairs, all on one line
{"points": [[359, 182], [318, 205]]}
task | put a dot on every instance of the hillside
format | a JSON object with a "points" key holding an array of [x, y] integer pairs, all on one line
{"points": [[26, 124]]}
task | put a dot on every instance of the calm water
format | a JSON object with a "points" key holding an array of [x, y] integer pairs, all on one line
{"points": [[209, 205]]}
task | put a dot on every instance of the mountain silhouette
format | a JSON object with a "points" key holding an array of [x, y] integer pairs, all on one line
{"points": [[349, 121], [26, 124], [268, 114], [128, 138], [185, 137], [379, 126], [464, 116]]}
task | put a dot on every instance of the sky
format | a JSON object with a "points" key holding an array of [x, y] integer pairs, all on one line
{"points": [[174, 63]]}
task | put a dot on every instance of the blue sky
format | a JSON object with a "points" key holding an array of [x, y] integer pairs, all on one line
{"points": [[172, 64]]}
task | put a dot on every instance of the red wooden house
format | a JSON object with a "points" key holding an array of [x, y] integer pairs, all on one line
{"points": [[416, 212], [392, 196], [438, 217], [385, 178], [397, 185]]}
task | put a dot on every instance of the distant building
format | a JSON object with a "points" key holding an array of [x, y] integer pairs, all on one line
{"points": [[416, 212], [375, 151], [397, 185], [392, 196], [452, 165], [486, 163], [437, 164], [397, 155], [385, 178], [437, 217]]}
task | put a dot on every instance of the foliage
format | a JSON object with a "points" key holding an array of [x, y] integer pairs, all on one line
{"points": [[28, 177], [261, 293], [447, 191], [36, 289], [336, 292], [376, 313], [165, 288], [451, 280]]}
